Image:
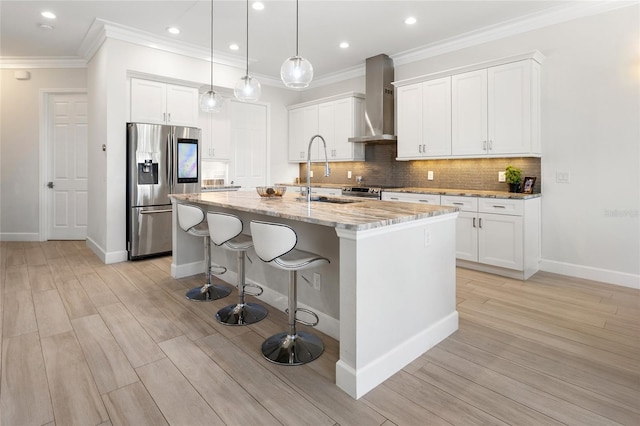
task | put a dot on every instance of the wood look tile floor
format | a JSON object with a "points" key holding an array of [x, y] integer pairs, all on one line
{"points": [[85, 343]]}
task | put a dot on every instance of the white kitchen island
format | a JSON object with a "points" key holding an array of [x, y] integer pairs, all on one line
{"points": [[388, 294]]}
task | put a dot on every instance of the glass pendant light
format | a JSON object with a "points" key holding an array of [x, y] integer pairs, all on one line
{"points": [[296, 72], [210, 101], [247, 88]]}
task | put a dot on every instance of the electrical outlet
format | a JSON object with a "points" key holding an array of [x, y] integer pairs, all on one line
{"points": [[501, 177], [317, 281], [349, 174], [310, 173], [430, 175], [427, 237]]}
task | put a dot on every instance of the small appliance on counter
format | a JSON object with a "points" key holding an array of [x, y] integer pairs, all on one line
{"points": [[161, 160]]}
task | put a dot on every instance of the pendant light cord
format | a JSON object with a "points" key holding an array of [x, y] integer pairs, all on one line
{"points": [[247, 67], [211, 33], [297, 28]]}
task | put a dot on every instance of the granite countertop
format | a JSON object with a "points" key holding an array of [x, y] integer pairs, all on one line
{"points": [[210, 188], [465, 193], [434, 191], [361, 214]]}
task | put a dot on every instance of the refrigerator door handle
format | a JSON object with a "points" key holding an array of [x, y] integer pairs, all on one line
{"points": [[169, 159]]}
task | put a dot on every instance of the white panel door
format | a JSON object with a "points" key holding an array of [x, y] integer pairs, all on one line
{"points": [[436, 117], [182, 106], [409, 116], [467, 236], [67, 152], [248, 144], [500, 240]]}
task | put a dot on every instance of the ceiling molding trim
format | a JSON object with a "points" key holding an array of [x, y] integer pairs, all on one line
{"points": [[353, 72], [42, 62], [101, 30], [513, 27]]}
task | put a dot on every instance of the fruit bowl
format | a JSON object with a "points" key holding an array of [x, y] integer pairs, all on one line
{"points": [[271, 191]]}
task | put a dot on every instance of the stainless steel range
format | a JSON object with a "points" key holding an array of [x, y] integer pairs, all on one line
{"points": [[363, 191]]}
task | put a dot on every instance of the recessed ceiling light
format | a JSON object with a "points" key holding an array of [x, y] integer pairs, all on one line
{"points": [[344, 45], [257, 5], [48, 15], [234, 46], [410, 20], [174, 30], [45, 26]]}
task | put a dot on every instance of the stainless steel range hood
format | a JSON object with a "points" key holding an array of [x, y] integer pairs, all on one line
{"points": [[379, 121]]}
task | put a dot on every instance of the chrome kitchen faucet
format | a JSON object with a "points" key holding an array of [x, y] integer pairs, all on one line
{"points": [[326, 164]]}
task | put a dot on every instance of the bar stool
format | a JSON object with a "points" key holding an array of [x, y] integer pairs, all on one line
{"points": [[275, 244], [226, 232], [191, 220]]}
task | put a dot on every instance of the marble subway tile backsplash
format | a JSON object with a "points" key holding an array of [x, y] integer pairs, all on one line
{"points": [[381, 168]]}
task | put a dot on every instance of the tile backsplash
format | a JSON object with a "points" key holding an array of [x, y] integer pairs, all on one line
{"points": [[381, 168]]}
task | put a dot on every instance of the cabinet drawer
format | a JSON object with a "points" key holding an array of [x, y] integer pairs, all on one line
{"points": [[411, 198], [501, 206], [468, 204]]}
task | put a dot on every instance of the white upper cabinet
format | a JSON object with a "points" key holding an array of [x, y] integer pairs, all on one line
{"points": [[483, 110], [216, 134], [469, 113], [162, 103], [424, 119], [496, 111], [303, 124], [336, 121]]}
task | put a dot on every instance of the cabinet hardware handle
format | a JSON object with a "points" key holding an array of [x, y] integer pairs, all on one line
{"points": [[424, 201], [419, 148], [164, 116], [394, 198], [474, 222], [484, 145], [480, 223], [499, 207], [458, 204], [424, 148], [169, 117], [490, 145]]}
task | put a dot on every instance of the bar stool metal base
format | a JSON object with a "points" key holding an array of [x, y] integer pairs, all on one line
{"points": [[208, 293], [241, 314], [292, 349]]}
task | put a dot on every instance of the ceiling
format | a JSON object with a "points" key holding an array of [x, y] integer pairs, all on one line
{"points": [[370, 27]]}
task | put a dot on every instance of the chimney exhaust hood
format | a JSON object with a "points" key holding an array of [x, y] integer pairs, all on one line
{"points": [[379, 114]]}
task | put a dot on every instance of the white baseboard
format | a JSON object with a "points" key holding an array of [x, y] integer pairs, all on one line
{"points": [[368, 377], [19, 236], [187, 269], [106, 257], [328, 325], [590, 273]]}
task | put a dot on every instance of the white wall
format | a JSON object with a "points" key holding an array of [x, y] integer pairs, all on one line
{"points": [[108, 75], [20, 176], [590, 128]]}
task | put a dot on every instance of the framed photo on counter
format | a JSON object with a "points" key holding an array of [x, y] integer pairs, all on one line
{"points": [[529, 182]]}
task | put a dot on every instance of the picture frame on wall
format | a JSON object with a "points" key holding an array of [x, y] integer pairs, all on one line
{"points": [[528, 184]]}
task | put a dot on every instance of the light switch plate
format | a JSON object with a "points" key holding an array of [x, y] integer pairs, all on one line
{"points": [[501, 177], [430, 175], [563, 177], [349, 174]]}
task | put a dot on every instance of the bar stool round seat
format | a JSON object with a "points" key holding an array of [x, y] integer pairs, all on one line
{"points": [[225, 231], [191, 220], [274, 244]]}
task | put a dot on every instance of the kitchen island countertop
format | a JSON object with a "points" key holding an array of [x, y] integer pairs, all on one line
{"points": [[357, 214]]}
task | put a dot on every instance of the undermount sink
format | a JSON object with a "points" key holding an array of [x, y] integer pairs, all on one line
{"points": [[329, 200]]}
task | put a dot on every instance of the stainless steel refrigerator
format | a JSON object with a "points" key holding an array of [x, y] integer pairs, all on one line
{"points": [[161, 160]]}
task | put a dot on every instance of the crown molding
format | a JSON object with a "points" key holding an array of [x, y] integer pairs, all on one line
{"points": [[42, 62], [557, 15]]}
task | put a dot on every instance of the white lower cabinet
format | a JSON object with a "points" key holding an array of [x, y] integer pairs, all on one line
{"points": [[501, 233], [495, 235]]}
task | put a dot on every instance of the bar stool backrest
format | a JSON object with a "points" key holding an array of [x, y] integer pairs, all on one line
{"points": [[223, 227], [189, 216], [272, 240]]}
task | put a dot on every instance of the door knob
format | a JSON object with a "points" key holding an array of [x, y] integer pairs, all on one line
{"points": [[49, 184]]}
